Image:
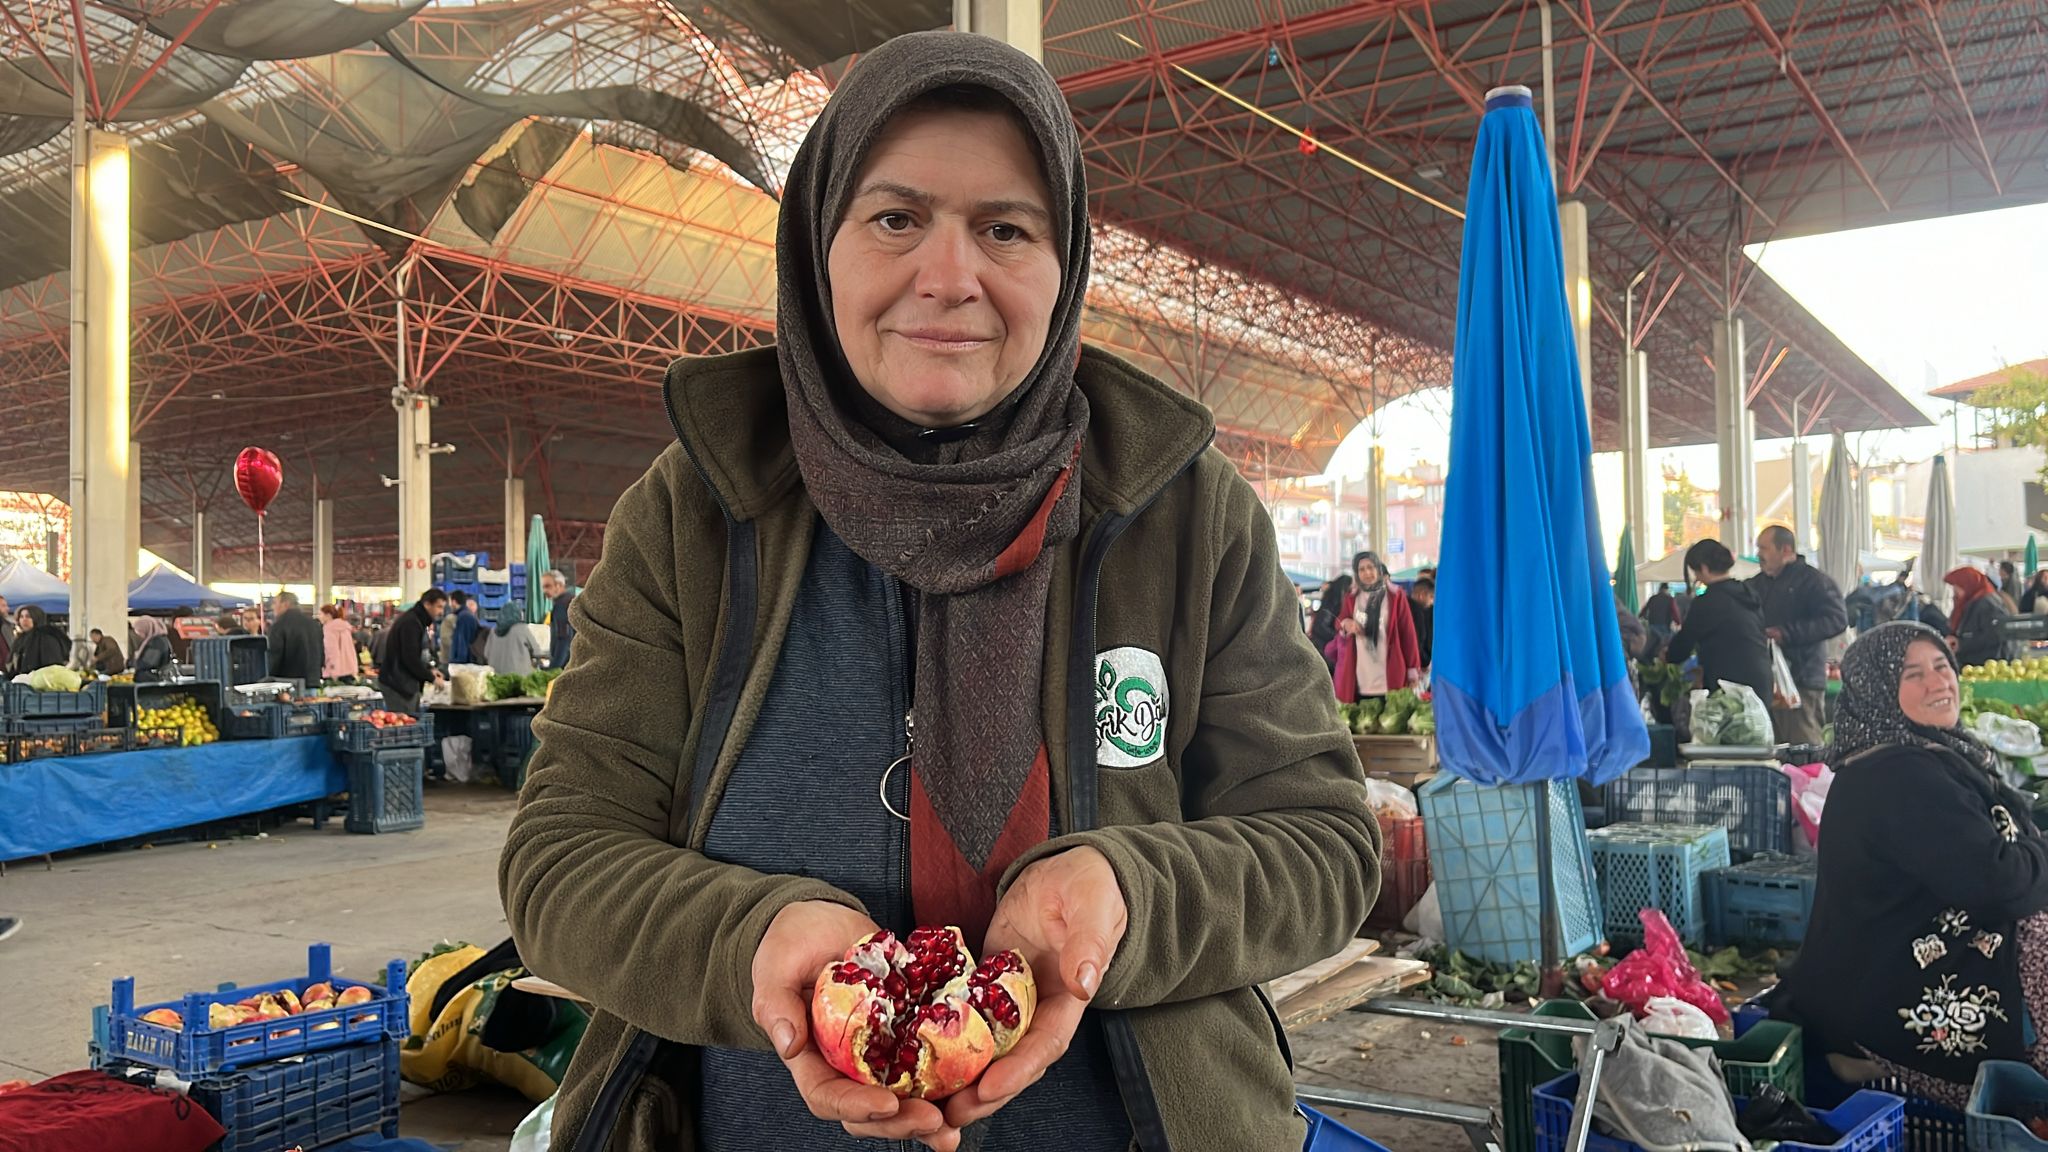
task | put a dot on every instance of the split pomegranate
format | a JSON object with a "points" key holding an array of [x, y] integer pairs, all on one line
{"points": [[918, 1016]]}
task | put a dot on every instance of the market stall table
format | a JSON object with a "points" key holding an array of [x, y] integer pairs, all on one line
{"points": [[498, 729], [50, 805]]}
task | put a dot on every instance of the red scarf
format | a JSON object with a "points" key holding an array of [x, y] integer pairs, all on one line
{"points": [[1971, 586]]}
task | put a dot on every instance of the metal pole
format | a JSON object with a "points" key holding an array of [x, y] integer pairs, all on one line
{"points": [[1549, 92]]}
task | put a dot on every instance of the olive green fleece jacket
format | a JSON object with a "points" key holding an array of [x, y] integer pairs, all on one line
{"points": [[1245, 850]]}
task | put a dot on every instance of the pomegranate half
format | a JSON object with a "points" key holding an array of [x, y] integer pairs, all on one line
{"points": [[918, 1016]]}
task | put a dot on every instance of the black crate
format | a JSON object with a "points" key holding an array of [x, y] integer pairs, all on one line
{"points": [[271, 721], [124, 700], [231, 660], [22, 701], [386, 791], [354, 736], [1753, 801]]}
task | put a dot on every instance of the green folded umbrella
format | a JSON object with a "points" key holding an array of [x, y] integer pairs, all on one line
{"points": [[537, 562], [1625, 572], [2033, 560]]}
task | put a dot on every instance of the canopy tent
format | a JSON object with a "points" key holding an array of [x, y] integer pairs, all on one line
{"points": [[1670, 569], [1304, 580], [162, 589], [25, 585]]}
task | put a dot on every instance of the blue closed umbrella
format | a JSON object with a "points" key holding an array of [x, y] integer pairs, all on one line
{"points": [[1530, 680]]}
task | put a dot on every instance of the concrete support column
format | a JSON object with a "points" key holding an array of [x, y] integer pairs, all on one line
{"points": [[1337, 561], [515, 523], [202, 548], [1014, 22], [1802, 498], [323, 551], [102, 563], [1642, 512], [1734, 436], [134, 551], [1578, 293], [415, 491], [1376, 506]]}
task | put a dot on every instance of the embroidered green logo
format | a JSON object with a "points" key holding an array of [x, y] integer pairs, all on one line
{"points": [[1130, 707]]}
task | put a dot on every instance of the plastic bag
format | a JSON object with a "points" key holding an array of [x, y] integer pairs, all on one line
{"points": [[1426, 919], [467, 685], [1784, 690], [1772, 1115], [1665, 1016], [458, 755], [1660, 968], [2007, 736], [1390, 801], [534, 1132], [1810, 784], [1733, 716]]}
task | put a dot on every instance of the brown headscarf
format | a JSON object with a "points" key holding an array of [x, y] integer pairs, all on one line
{"points": [[971, 529]]}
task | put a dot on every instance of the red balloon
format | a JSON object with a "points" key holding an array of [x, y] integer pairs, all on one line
{"points": [[258, 476]]}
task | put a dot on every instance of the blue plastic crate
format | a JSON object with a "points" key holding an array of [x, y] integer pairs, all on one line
{"points": [[1930, 1127], [1768, 900], [23, 701], [195, 1049], [386, 791], [231, 660], [358, 735], [322, 1099], [271, 721], [1482, 857], [1868, 1122], [334, 709], [1656, 866], [1663, 746], [1753, 801], [54, 725], [2005, 1095], [1326, 1135]]}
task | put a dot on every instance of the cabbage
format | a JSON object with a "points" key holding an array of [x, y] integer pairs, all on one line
{"points": [[1732, 716]]}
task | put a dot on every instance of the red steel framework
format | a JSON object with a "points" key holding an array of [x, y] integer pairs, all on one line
{"points": [[1285, 289]]}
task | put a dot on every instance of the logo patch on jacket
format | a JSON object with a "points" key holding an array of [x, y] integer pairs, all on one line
{"points": [[1130, 708]]}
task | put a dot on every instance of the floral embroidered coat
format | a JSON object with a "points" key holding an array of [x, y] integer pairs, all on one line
{"points": [[1926, 867]]}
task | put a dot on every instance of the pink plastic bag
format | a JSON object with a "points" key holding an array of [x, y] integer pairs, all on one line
{"points": [[1660, 968], [1810, 784]]}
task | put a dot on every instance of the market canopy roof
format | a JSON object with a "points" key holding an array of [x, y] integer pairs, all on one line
{"points": [[25, 585], [162, 589], [573, 191]]}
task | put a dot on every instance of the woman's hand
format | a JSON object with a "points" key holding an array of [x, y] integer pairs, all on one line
{"points": [[800, 941], [1066, 914], [1348, 626]]}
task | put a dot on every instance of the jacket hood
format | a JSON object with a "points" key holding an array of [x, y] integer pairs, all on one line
{"points": [[732, 418]]}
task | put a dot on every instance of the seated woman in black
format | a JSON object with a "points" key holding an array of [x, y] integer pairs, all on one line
{"points": [[1927, 953]]}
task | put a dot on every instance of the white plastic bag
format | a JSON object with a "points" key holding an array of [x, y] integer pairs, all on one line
{"points": [[1390, 801], [456, 755], [1670, 1016], [533, 1133], [466, 686], [1426, 919], [2008, 736], [1784, 690]]}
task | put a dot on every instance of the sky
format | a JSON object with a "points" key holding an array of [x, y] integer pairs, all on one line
{"points": [[1924, 303]]}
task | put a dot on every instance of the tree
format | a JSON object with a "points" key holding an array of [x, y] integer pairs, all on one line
{"points": [[1683, 501], [2019, 404]]}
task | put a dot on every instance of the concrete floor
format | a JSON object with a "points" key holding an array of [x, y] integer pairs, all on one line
{"points": [[185, 916]]}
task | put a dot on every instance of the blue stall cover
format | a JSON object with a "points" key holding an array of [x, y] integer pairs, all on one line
{"points": [[70, 802], [162, 590], [1529, 678], [24, 585]]}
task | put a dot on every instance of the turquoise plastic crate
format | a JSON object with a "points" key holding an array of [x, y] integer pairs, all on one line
{"points": [[2006, 1093], [1657, 866], [1867, 1121], [1768, 900], [1482, 857]]}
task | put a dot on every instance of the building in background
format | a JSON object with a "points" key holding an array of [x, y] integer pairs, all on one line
{"points": [[1311, 545]]}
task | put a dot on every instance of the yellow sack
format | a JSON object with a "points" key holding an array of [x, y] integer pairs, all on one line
{"points": [[447, 1054]]}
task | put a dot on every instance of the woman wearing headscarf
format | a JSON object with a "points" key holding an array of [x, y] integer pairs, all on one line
{"points": [[1927, 952], [39, 643], [153, 659], [929, 510], [1974, 620], [514, 650], [1375, 649]]}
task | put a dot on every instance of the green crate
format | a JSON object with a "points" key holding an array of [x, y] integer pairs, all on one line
{"points": [[1771, 1052], [1529, 1059]]}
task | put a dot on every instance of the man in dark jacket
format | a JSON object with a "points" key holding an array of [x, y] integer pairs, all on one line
{"points": [[404, 669], [467, 629], [38, 643], [1803, 609], [298, 649], [561, 633], [1725, 625], [106, 654]]}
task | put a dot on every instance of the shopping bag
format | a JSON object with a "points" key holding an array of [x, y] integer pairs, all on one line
{"points": [[1784, 692]]}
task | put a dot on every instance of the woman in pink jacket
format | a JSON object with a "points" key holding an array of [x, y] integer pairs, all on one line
{"points": [[1375, 648], [340, 661]]}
